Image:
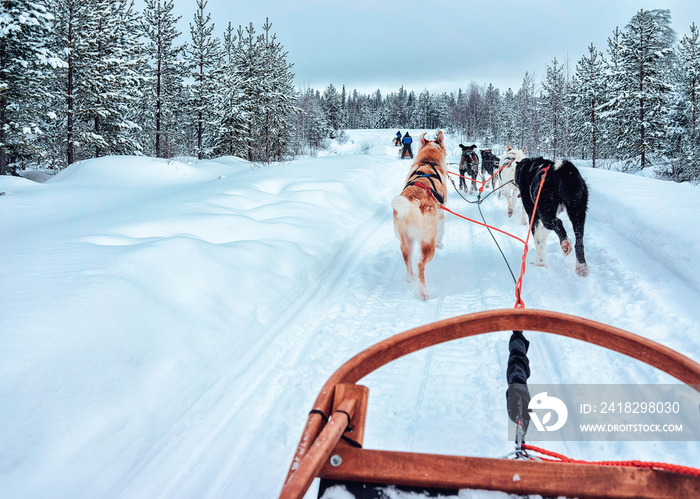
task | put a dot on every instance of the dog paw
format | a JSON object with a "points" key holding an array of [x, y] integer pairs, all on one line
{"points": [[566, 247], [422, 294], [582, 270], [510, 212], [440, 245]]}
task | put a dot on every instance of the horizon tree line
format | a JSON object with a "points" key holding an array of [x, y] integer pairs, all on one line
{"points": [[86, 79]]}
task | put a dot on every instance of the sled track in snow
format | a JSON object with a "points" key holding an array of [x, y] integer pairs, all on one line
{"points": [[299, 329]]}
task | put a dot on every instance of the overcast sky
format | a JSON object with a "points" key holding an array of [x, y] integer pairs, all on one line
{"points": [[438, 46]]}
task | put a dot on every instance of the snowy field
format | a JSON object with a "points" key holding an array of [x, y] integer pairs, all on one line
{"points": [[166, 325]]}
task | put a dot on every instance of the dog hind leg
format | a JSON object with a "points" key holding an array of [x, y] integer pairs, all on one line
{"points": [[540, 234], [407, 253], [427, 253], [578, 218]]}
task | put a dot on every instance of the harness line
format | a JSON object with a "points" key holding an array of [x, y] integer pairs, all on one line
{"points": [[518, 285], [560, 458], [522, 449]]}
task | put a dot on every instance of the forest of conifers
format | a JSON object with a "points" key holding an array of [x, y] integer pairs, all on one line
{"points": [[90, 78]]}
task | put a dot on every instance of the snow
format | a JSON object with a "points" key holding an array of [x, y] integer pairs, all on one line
{"points": [[167, 325]]}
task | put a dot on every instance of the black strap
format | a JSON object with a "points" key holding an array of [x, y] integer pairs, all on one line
{"points": [[430, 176], [318, 411], [518, 371]]}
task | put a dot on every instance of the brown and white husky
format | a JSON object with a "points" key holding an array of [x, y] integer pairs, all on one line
{"points": [[418, 217]]}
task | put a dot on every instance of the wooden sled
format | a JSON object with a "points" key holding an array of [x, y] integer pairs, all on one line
{"points": [[331, 443]]}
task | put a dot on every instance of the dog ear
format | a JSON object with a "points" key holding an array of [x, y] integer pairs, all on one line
{"points": [[461, 146], [440, 139], [508, 148], [524, 147], [422, 139]]}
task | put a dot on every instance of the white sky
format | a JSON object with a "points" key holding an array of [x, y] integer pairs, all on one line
{"points": [[367, 45]]}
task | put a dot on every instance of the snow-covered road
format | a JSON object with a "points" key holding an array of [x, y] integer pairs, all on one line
{"points": [[167, 326]]}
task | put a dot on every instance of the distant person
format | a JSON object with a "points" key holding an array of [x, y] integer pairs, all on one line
{"points": [[406, 141], [397, 140]]}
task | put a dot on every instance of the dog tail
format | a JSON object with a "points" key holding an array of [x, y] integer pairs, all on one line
{"points": [[402, 207]]}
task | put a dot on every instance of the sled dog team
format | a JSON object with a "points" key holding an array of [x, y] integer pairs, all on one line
{"points": [[419, 218]]}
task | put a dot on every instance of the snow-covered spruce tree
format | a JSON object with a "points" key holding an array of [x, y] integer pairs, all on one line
{"points": [[249, 74], [112, 77], [646, 50], [230, 125], [509, 115], [24, 56], [612, 108], [687, 163], [354, 109], [71, 82], [587, 94], [459, 114], [689, 81], [493, 104], [162, 98], [312, 126], [203, 59], [333, 108], [528, 116], [397, 108], [279, 100], [474, 113], [553, 108], [683, 139]]}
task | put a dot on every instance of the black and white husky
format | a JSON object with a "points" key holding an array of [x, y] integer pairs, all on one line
{"points": [[563, 188]]}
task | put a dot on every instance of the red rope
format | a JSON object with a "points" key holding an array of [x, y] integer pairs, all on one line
{"points": [[418, 184], [519, 285], [485, 183], [560, 458], [482, 224]]}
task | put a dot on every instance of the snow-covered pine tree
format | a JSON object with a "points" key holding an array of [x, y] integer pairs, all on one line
{"points": [[553, 108], [230, 125], [24, 56], [354, 109], [612, 105], [314, 125], [421, 113], [492, 103], [646, 50], [689, 81], [279, 99], [459, 114], [686, 165], [112, 77], [333, 109], [509, 135], [161, 103], [73, 43], [587, 94], [204, 57], [375, 111], [251, 92], [528, 116]]}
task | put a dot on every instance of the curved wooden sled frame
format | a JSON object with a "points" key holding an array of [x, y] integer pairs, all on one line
{"points": [[345, 403]]}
